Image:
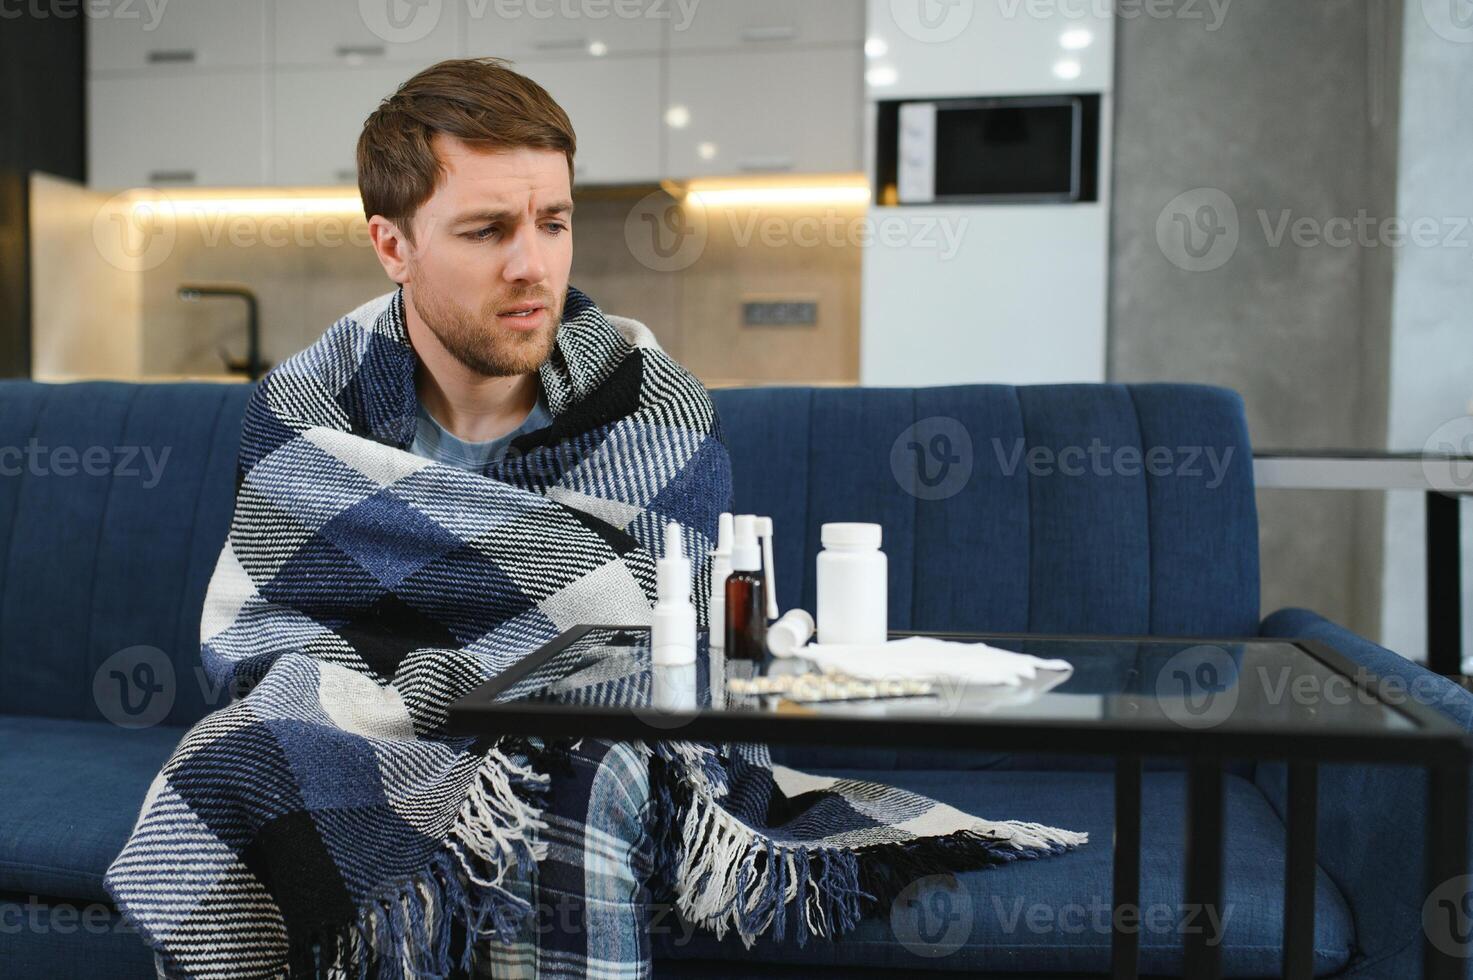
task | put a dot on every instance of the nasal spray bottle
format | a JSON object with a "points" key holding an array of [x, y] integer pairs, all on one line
{"points": [[673, 637], [746, 595], [720, 569]]}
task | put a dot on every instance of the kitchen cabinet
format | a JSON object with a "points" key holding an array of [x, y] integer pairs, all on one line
{"points": [[755, 112], [317, 114], [548, 30], [200, 33], [761, 24], [171, 129], [249, 92], [364, 32], [614, 104]]}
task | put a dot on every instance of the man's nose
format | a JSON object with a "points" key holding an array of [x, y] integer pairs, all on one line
{"points": [[525, 261]]}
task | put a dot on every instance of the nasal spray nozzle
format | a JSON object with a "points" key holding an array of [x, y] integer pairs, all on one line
{"points": [[764, 534], [673, 636]]}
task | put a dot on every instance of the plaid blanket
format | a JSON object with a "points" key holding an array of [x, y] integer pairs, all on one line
{"points": [[324, 823]]}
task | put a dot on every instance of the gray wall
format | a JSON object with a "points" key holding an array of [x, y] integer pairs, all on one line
{"points": [[1289, 106]]}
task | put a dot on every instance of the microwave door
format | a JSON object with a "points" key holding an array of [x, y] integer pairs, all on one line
{"points": [[1012, 150]]}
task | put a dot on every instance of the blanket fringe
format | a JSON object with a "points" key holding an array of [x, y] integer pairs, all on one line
{"points": [[407, 934], [725, 876]]}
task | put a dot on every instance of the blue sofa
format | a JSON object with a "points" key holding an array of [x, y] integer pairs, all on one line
{"points": [[108, 548]]}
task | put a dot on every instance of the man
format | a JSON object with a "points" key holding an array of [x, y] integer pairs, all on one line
{"points": [[452, 475], [465, 174]]}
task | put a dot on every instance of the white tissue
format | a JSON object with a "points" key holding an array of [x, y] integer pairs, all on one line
{"points": [[929, 658]]}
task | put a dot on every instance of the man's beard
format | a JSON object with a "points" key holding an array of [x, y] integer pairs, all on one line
{"points": [[478, 340]]}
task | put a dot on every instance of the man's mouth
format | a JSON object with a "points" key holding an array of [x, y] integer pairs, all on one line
{"points": [[523, 315]]}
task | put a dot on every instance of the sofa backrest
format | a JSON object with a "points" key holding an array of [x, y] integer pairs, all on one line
{"points": [[115, 500], [1099, 509], [109, 533]]}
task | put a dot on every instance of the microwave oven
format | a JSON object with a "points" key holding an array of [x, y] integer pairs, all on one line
{"points": [[990, 150]]}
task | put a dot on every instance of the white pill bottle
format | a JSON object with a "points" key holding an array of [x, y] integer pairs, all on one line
{"points": [[852, 597]]}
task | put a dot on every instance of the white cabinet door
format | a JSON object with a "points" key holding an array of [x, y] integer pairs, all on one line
{"points": [[350, 32], [614, 104], [206, 33], [171, 129], [318, 114], [547, 29], [764, 112], [760, 24]]}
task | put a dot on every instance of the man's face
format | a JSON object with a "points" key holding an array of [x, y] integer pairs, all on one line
{"points": [[488, 269]]}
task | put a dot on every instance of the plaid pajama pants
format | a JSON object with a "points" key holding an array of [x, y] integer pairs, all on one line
{"points": [[590, 893]]}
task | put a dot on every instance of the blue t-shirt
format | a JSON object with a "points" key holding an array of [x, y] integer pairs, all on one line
{"points": [[433, 441]]}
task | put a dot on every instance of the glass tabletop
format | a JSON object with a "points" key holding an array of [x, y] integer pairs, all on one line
{"points": [[1250, 684]]}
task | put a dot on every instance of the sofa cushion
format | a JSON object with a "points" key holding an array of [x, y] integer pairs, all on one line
{"points": [[1048, 916], [80, 786]]}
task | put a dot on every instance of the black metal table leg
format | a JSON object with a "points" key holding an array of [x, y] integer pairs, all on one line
{"points": [[1203, 952], [1446, 942], [1125, 936], [1299, 871], [1444, 584]]}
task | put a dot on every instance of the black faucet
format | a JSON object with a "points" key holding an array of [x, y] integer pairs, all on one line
{"points": [[252, 366]]}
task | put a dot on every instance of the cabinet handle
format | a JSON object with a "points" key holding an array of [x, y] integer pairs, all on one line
{"points": [[777, 32], [764, 164], [171, 176], [561, 44], [177, 56], [360, 51]]}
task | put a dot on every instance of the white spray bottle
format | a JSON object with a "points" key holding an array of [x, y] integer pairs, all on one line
{"points": [[720, 571], [673, 638]]}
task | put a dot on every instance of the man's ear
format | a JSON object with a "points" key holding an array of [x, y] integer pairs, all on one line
{"points": [[391, 246]]}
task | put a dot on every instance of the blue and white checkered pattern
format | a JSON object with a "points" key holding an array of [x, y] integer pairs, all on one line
{"points": [[324, 823]]}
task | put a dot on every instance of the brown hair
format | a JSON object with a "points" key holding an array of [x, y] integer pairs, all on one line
{"points": [[479, 100]]}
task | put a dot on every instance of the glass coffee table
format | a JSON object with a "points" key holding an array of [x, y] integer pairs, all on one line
{"points": [[1207, 701]]}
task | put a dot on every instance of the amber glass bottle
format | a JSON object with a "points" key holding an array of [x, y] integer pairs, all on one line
{"points": [[746, 596]]}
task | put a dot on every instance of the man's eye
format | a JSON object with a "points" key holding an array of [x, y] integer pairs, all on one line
{"points": [[485, 234], [557, 227]]}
